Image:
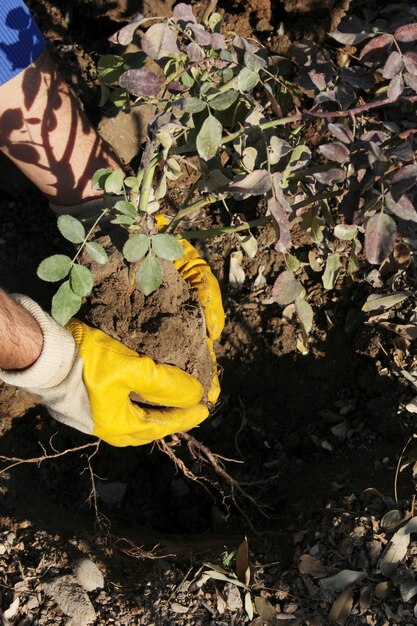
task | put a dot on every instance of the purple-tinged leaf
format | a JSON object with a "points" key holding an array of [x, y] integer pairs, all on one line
{"points": [[406, 33], [286, 289], [377, 136], [330, 176], [195, 52], [201, 35], [256, 183], [159, 41], [341, 132], [141, 82], [373, 49], [176, 87], [124, 36], [410, 62], [279, 208], [358, 77], [335, 151], [410, 81], [403, 179], [218, 41], [351, 31], [183, 13], [343, 94], [396, 87], [241, 43], [393, 66], [401, 207], [380, 234], [377, 158]]}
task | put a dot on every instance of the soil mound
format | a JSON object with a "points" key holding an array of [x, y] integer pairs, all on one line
{"points": [[167, 325]]}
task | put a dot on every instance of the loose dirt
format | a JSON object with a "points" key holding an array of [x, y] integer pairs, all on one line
{"points": [[167, 325]]}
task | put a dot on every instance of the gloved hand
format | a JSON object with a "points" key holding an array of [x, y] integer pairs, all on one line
{"points": [[197, 273], [85, 377]]}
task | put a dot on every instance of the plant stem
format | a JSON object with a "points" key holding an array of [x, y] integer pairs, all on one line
{"points": [[210, 199], [82, 244], [145, 188], [260, 221]]}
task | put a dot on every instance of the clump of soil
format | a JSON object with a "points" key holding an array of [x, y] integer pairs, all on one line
{"points": [[168, 325]]}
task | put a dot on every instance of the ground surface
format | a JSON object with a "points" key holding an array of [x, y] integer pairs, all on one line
{"points": [[310, 432]]}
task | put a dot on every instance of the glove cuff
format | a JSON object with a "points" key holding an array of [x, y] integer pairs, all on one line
{"points": [[57, 375], [56, 358]]}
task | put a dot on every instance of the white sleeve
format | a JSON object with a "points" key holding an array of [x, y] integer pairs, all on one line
{"points": [[57, 375]]}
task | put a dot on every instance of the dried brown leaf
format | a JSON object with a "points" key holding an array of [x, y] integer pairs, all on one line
{"points": [[342, 607], [242, 563]]}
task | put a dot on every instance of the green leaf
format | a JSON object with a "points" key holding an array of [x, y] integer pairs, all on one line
{"points": [[247, 79], [55, 267], [331, 271], [81, 280], [132, 182], [149, 275], [110, 68], [253, 62], [192, 105], [114, 182], [346, 232], [209, 138], [224, 100], [127, 208], [71, 228], [383, 301], [167, 247], [120, 98], [65, 304], [136, 247], [123, 219], [291, 262], [100, 177], [304, 313], [97, 253], [215, 22]]}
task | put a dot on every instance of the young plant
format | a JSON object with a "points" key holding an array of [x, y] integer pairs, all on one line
{"points": [[325, 136]]}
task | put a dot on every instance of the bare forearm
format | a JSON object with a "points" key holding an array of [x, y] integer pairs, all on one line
{"points": [[44, 130], [21, 338]]}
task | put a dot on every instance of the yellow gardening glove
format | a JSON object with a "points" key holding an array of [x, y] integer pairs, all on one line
{"points": [[111, 371], [197, 273]]}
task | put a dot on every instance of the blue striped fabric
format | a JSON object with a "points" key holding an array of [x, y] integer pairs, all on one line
{"points": [[21, 41]]}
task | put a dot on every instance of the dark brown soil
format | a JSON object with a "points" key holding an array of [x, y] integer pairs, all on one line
{"points": [[167, 325]]}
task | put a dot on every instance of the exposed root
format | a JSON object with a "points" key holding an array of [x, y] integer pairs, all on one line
{"points": [[205, 457], [14, 461], [102, 523]]}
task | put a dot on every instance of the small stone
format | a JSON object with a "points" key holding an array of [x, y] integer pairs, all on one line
{"points": [[88, 574], [232, 596], [71, 599], [2, 548]]}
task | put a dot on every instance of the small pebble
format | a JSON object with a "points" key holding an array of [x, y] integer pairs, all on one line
{"points": [[88, 574]]}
